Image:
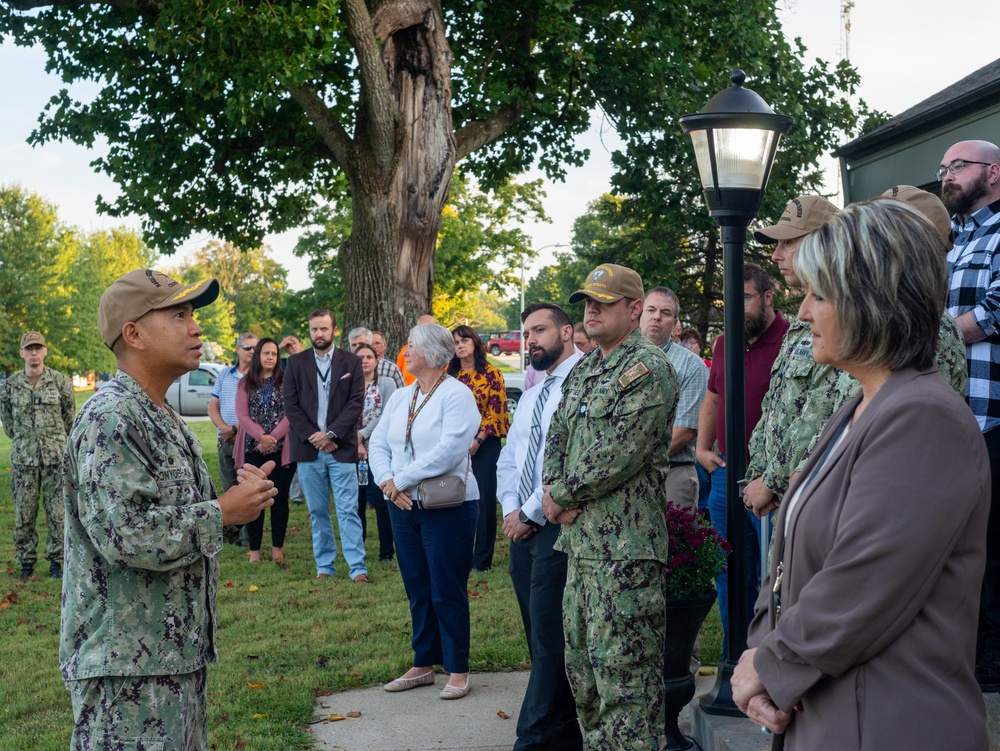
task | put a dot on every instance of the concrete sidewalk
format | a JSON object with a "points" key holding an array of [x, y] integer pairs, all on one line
{"points": [[417, 719]]}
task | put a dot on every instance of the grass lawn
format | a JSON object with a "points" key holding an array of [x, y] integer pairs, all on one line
{"points": [[280, 647]]}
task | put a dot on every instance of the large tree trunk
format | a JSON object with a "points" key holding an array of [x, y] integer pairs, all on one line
{"points": [[388, 263]]}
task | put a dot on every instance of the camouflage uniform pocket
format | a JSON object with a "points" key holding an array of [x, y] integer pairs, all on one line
{"points": [[629, 627]]}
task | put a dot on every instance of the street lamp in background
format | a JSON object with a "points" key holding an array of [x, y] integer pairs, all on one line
{"points": [[735, 138], [520, 348]]}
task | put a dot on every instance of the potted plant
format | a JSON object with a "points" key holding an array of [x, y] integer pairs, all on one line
{"points": [[697, 555]]}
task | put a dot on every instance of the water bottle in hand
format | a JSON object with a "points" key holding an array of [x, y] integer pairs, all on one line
{"points": [[362, 472]]}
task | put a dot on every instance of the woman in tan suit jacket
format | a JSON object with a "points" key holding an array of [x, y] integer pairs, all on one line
{"points": [[880, 543]]}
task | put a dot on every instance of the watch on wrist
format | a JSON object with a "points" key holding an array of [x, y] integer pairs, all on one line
{"points": [[525, 519], [332, 436]]}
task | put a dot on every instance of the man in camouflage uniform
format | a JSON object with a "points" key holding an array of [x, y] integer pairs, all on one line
{"points": [[797, 403], [36, 407], [143, 532], [607, 455], [804, 394]]}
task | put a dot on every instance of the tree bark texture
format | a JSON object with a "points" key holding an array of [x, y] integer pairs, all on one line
{"points": [[388, 262]]}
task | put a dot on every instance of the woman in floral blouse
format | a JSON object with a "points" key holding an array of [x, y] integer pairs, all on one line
{"points": [[469, 365], [260, 437], [377, 393]]}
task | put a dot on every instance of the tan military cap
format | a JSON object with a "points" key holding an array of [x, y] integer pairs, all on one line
{"points": [[927, 204], [610, 283], [32, 337], [802, 215], [136, 293]]}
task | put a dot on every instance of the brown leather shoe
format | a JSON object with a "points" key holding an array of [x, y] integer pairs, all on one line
{"points": [[361, 579], [323, 576]]}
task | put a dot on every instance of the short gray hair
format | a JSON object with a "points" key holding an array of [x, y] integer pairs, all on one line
{"points": [[361, 331], [666, 292], [244, 336], [434, 342], [879, 263]]}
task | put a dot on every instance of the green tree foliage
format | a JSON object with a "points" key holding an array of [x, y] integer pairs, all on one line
{"points": [[101, 257], [253, 288], [51, 280], [233, 116], [553, 284], [661, 226]]}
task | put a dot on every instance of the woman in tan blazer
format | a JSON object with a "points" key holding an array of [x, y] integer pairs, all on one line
{"points": [[880, 543]]}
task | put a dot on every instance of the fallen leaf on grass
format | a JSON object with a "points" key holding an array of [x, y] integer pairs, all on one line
{"points": [[21, 621], [254, 588], [503, 715], [229, 584], [321, 661], [253, 657], [4, 604], [294, 530], [258, 716], [357, 674], [255, 686], [472, 592], [341, 605], [335, 717], [354, 715], [317, 692], [11, 597]]}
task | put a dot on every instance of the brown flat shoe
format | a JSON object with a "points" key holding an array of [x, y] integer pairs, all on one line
{"points": [[323, 576], [361, 579]]}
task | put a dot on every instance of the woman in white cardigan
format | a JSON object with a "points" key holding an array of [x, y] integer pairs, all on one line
{"points": [[425, 431]]}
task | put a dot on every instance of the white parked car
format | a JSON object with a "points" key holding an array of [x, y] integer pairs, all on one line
{"points": [[514, 382]]}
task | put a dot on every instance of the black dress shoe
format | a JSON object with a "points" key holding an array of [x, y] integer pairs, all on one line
{"points": [[26, 573], [55, 571]]}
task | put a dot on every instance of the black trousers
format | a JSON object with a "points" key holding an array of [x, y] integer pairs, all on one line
{"points": [[484, 467], [282, 479], [547, 721], [989, 602], [371, 494]]}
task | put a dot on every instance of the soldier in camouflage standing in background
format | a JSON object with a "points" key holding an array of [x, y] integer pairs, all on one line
{"points": [[36, 407], [804, 394], [607, 455], [144, 532]]}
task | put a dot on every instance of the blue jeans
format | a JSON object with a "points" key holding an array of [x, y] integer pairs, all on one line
{"points": [[317, 478], [717, 512], [434, 549]]}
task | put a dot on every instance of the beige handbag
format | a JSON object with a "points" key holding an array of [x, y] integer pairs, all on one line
{"points": [[444, 491]]}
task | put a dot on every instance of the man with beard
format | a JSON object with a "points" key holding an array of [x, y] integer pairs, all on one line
{"points": [[324, 394], [764, 329], [548, 715], [969, 173], [660, 315]]}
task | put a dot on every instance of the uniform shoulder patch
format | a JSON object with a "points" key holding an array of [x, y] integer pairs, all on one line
{"points": [[635, 372]]}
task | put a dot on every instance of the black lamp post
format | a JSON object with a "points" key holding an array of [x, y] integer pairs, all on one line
{"points": [[735, 138]]}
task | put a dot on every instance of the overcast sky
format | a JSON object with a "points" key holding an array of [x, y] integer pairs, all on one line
{"points": [[905, 52]]}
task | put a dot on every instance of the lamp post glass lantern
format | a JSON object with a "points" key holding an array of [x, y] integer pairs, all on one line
{"points": [[735, 139]]}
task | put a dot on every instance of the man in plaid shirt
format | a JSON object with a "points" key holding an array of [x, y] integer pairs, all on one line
{"points": [[969, 174]]}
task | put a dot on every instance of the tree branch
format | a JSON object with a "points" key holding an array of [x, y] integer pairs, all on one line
{"points": [[144, 5], [378, 113], [327, 125], [478, 133]]}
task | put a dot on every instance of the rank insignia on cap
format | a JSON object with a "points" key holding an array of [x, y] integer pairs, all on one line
{"points": [[635, 372]]}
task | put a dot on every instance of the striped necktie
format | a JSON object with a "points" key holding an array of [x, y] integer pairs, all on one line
{"points": [[525, 486]]}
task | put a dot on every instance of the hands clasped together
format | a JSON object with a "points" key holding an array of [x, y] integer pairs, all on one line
{"points": [[400, 498], [251, 494], [752, 698]]}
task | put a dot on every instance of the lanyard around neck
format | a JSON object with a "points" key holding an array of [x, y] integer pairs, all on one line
{"points": [[415, 410]]}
